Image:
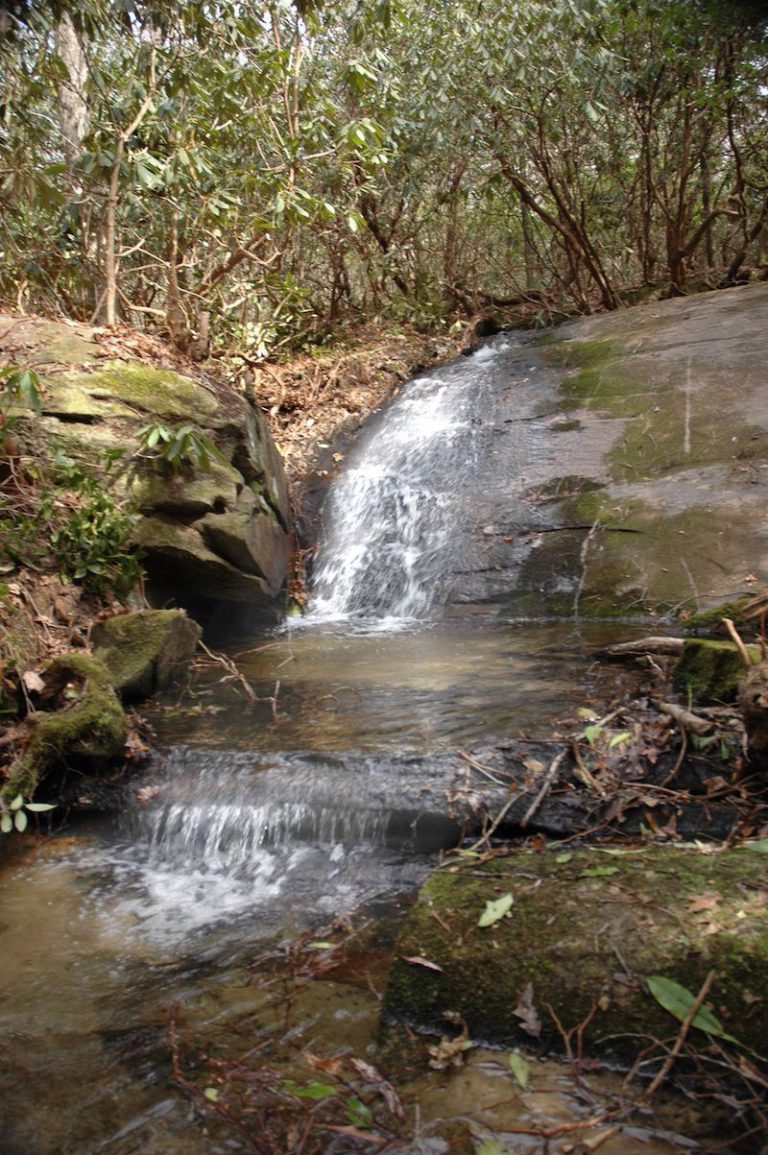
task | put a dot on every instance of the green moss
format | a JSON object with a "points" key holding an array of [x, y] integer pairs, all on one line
{"points": [[86, 734], [711, 670], [583, 939], [144, 652], [713, 619], [156, 391]]}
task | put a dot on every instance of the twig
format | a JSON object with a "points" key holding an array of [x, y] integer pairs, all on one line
{"points": [[473, 762], [681, 1037], [554, 766], [686, 719], [743, 651], [233, 671], [496, 822]]}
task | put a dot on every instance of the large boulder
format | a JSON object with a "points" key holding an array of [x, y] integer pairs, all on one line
{"points": [[583, 933], [215, 540], [145, 652]]}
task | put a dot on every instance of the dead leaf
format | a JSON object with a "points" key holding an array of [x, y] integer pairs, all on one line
{"points": [[383, 1087], [328, 1066], [709, 900], [527, 1013], [417, 961], [33, 683]]}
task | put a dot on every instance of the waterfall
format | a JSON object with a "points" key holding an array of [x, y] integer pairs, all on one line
{"points": [[389, 544]]}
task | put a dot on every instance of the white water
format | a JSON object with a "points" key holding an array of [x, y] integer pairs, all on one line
{"points": [[388, 545]]}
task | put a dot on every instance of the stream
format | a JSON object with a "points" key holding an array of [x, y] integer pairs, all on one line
{"points": [[329, 798]]}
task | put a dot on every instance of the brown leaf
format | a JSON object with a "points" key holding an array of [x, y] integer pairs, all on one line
{"points": [[417, 961], [709, 900], [527, 1013], [329, 1066], [33, 683], [383, 1088]]}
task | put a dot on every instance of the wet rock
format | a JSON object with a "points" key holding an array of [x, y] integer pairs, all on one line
{"points": [[584, 932], [80, 725], [711, 670], [145, 652]]}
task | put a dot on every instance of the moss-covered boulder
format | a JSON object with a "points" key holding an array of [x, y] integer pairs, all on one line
{"points": [[584, 932], [144, 652], [94, 406], [80, 726], [711, 670]]}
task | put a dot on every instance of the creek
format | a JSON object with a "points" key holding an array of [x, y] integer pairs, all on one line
{"points": [[326, 798]]}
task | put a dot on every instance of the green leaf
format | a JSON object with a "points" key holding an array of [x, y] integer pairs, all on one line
{"points": [[39, 807], [618, 739], [757, 847], [6, 824], [495, 909], [591, 733], [520, 1068], [563, 858], [678, 1000], [212, 1094], [18, 802], [20, 821], [358, 1114], [310, 1091], [599, 871]]}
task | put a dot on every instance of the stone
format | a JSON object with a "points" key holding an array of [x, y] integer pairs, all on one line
{"points": [[711, 670], [94, 407], [185, 494], [146, 651], [584, 933], [80, 726]]}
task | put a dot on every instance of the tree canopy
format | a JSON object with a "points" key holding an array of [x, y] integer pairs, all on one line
{"points": [[261, 174]]}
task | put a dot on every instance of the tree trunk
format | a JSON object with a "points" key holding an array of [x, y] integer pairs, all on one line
{"points": [[73, 107]]}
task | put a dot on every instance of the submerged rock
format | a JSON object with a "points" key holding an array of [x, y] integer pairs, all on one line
{"points": [[584, 932]]}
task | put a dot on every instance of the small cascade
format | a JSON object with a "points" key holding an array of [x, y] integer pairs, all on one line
{"points": [[389, 546], [226, 833]]}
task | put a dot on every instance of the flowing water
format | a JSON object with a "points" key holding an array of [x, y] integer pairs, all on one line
{"points": [[328, 796]]}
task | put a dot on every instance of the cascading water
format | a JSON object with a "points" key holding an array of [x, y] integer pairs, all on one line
{"points": [[260, 824], [390, 543]]}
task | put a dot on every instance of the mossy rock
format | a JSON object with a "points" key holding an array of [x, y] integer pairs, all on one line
{"points": [[711, 670], [81, 725], [185, 494], [140, 387], [145, 652], [586, 930]]}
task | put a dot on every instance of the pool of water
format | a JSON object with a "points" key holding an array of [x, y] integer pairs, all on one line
{"points": [[259, 820]]}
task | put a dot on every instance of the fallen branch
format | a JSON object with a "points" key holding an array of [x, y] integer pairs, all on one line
{"points": [[686, 719], [473, 762], [546, 785], [681, 1037], [496, 822], [743, 651]]}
